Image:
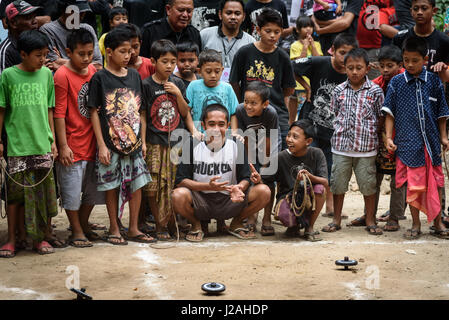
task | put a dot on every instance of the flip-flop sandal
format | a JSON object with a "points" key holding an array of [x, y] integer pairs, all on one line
{"points": [[9, 248], [267, 231], [57, 243], [147, 229], [384, 217], [113, 236], [412, 234], [194, 235], [140, 238], [236, 233], [332, 227], [164, 236], [85, 243], [375, 228], [41, 245], [97, 226], [391, 226], [331, 215], [310, 236], [357, 222], [442, 234], [251, 227]]}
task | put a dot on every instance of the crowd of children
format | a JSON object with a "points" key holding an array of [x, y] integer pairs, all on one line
{"points": [[112, 130]]}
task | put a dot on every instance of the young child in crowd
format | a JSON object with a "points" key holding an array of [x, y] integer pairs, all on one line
{"points": [[117, 16], [27, 99], [118, 118], [210, 89], [166, 110], [416, 108], [356, 104], [188, 53], [142, 64], [76, 138], [304, 47], [325, 10], [264, 61], [325, 73], [256, 117], [300, 158]]}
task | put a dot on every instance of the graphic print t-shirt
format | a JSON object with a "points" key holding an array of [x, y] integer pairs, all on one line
{"points": [[205, 14], [273, 69], [162, 110], [71, 104], [119, 103], [323, 79]]}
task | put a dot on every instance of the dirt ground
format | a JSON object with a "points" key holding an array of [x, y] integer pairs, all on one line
{"points": [[273, 267]]}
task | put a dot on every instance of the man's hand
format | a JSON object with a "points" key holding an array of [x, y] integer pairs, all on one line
{"points": [[236, 193], [255, 176], [338, 10], [66, 156], [218, 186], [389, 144], [104, 155]]}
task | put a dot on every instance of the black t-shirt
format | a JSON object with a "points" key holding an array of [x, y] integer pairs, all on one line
{"points": [[437, 42], [353, 6], [160, 29], [403, 14], [187, 82], [161, 108], [119, 103], [323, 79], [205, 14], [252, 10], [9, 55], [274, 69], [289, 165], [143, 11]]}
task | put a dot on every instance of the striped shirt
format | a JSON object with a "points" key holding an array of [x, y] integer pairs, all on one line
{"points": [[356, 117], [9, 55]]}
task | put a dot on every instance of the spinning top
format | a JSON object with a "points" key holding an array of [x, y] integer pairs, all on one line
{"points": [[213, 287], [346, 263]]}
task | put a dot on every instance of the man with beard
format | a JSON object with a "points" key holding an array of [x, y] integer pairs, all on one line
{"points": [[227, 37], [175, 27]]}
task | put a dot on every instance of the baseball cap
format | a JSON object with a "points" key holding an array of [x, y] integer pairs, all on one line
{"points": [[19, 8], [83, 5]]}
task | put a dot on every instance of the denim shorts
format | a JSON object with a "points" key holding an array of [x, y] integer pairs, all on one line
{"points": [[78, 185]]}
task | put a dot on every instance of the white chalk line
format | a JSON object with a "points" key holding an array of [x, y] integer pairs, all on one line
{"points": [[354, 289], [27, 293]]}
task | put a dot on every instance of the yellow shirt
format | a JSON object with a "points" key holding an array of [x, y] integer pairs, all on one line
{"points": [[295, 52], [102, 48]]}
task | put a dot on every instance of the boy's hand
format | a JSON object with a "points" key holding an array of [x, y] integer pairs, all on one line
{"points": [[255, 176], [389, 144], [445, 143], [54, 150], [238, 137], [104, 155], [66, 156], [218, 186], [440, 66], [303, 171], [170, 87], [236, 193], [144, 150]]}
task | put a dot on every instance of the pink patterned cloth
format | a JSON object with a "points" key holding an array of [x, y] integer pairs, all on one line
{"points": [[422, 185]]}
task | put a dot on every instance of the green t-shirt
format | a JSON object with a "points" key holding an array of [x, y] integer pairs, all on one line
{"points": [[27, 96]]}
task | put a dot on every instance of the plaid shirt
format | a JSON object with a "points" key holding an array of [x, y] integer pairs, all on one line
{"points": [[356, 116]]}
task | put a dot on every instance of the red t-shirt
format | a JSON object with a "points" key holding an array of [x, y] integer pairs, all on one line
{"points": [[368, 34], [146, 69], [71, 97]]}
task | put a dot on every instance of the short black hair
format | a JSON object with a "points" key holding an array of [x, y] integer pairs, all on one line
{"points": [[214, 107], [390, 52], [306, 125], [116, 11], [32, 40], [431, 2], [268, 15], [79, 36], [415, 44], [259, 88], [343, 39], [133, 30], [303, 22], [162, 47], [188, 46], [116, 37], [357, 53], [223, 2], [209, 55]]}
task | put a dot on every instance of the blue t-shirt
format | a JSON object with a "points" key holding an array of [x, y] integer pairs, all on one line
{"points": [[416, 105], [200, 96]]}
